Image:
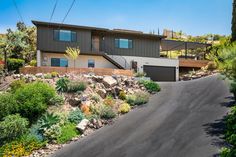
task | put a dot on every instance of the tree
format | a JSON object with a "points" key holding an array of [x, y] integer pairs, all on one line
{"points": [[20, 43], [233, 28], [72, 53]]}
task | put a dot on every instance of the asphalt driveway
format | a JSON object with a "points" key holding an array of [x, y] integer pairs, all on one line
{"points": [[183, 120]]}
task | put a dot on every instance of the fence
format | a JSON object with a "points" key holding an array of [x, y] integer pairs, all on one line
{"points": [[64, 70], [189, 63]]}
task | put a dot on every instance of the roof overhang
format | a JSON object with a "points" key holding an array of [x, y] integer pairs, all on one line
{"points": [[175, 45], [97, 29]]}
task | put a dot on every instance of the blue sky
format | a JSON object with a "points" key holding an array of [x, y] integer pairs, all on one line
{"points": [[195, 17]]}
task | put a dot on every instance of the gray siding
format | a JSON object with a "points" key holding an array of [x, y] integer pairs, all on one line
{"points": [[143, 47], [45, 40]]}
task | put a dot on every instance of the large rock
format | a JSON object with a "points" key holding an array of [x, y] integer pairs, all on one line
{"points": [[109, 81], [74, 101], [102, 93], [82, 125]]}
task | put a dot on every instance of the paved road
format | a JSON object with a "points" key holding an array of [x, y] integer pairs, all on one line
{"points": [[184, 120]]}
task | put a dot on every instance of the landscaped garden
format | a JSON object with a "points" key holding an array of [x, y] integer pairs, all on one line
{"points": [[41, 113]]}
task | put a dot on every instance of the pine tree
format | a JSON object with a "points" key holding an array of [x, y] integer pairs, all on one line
{"points": [[233, 28]]}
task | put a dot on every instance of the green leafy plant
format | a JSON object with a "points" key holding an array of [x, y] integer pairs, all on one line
{"points": [[124, 108], [138, 98], [106, 112], [233, 88], [23, 146], [56, 100], [75, 116], [76, 86], [33, 99], [150, 85], [67, 133], [52, 133], [48, 120], [62, 84], [95, 98], [109, 101], [141, 98], [122, 95], [72, 53], [140, 74], [12, 127], [54, 74], [47, 76], [8, 105], [16, 85], [14, 64], [33, 63]]}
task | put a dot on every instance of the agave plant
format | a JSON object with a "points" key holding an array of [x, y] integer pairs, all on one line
{"points": [[62, 85], [48, 120]]}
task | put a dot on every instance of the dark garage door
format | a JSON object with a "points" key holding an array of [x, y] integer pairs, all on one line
{"points": [[160, 73]]}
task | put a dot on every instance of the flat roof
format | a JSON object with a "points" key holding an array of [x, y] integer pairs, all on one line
{"points": [[119, 31]]}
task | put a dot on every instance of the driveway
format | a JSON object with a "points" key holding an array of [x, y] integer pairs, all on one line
{"points": [[183, 120]]}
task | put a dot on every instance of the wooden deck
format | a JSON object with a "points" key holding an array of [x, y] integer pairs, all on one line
{"points": [[64, 70], [189, 63]]}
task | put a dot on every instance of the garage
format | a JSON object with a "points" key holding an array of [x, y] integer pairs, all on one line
{"points": [[160, 73]]}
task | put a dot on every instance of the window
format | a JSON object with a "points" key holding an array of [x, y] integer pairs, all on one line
{"points": [[59, 62], [124, 43], [64, 35], [91, 63]]}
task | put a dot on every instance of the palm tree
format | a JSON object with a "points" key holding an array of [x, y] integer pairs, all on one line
{"points": [[233, 28], [72, 53]]}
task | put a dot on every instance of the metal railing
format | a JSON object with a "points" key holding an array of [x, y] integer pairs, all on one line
{"points": [[119, 60]]}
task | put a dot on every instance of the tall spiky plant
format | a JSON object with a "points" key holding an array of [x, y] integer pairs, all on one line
{"points": [[72, 53], [233, 28]]}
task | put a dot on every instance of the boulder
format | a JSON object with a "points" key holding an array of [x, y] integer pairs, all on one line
{"points": [[74, 101], [39, 75], [102, 93], [82, 125], [109, 81]]}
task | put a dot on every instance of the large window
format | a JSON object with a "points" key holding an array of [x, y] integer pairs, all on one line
{"points": [[59, 62], [124, 43], [64, 35], [91, 63]]}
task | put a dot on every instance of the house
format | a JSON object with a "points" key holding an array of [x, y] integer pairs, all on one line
{"points": [[104, 48]]}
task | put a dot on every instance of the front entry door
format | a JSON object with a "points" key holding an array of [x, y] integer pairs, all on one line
{"points": [[95, 44]]}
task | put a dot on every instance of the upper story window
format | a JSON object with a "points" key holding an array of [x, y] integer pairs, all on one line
{"points": [[124, 43], [64, 35]]}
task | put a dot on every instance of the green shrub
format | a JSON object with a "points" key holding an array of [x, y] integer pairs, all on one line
{"points": [[130, 99], [8, 104], [33, 99], [54, 74], [96, 98], [23, 146], [122, 95], [15, 64], [141, 98], [150, 85], [67, 133], [228, 152], [33, 63], [124, 108], [138, 98], [106, 112], [76, 86], [109, 101], [233, 89], [62, 85], [52, 133], [140, 74], [56, 100], [12, 127], [76, 116], [17, 84], [47, 120], [47, 76]]}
